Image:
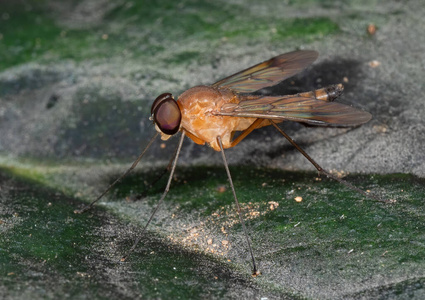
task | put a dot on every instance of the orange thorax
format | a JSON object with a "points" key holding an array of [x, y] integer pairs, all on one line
{"points": [[199, 122]]}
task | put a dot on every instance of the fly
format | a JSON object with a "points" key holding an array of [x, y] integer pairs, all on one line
{"points": [[211, 114]]}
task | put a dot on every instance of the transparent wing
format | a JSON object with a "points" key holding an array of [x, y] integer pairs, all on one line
{"points": [[269, 73], [298, 108]]}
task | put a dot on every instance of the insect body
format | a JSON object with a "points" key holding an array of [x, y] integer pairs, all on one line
{"points": [[208, 112], [212, 114]]}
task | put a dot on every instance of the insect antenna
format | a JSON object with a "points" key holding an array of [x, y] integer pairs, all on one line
{"points": [[322, 171], [255, 272], [167, 188], [87, 207]]}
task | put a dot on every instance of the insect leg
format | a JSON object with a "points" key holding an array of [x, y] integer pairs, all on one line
{"points": [[150, 185], [247, 131], [322, 171], [255, 272], [167, 188], [87, 207]]}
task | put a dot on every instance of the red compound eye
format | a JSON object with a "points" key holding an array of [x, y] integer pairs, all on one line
{"points": [[166, 114]]}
